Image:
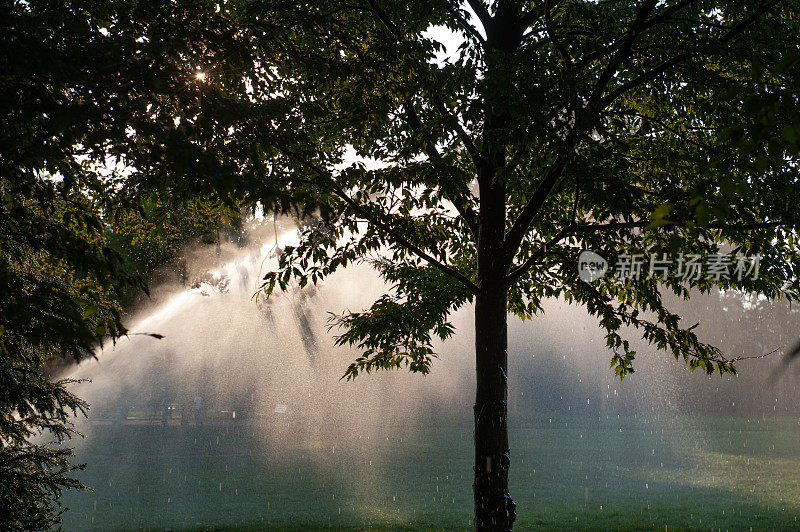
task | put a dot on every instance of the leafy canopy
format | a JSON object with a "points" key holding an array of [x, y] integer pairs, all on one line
{"points": [[60, 283], [652, 127], [617, 126]]}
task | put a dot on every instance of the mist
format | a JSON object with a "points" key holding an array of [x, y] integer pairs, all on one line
{"points": [[268, 370]]}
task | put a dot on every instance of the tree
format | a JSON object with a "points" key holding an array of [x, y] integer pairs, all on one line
{"points": [[153, 238], [59, 281], [556, 127], [59, 288], [74, 243]]}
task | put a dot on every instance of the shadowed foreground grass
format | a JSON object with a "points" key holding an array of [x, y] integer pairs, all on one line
{"points": [[568, 472]]}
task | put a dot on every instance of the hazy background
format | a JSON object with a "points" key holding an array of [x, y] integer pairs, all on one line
{"points": [[383, 446]]}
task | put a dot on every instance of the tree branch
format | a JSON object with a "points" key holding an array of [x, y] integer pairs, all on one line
{"points": [[384, 18], [520, 226], [660, 18], [451, 188], [533, 15], [623, 51], [522, 223], [614, 226], [516, 273], [668, 12], [647, 76], [450, 120], [456, 126], [742, 25], [464, 23], [537, 255], [378, 223], [666, 65], [551, 32], [483, 14]]}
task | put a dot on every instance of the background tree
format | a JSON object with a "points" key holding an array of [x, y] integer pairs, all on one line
{"points": [[152, 239]]}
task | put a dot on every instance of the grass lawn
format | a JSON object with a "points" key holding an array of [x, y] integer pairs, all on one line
{"points": [[568, 472]]}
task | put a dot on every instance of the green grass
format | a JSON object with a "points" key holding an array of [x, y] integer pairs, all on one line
{"points": [[568, 472]]}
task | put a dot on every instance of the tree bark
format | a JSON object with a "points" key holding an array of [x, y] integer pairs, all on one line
{"points": [[494, 508]]}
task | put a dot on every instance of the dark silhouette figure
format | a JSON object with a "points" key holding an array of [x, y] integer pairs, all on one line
{"points": [[198, 410]]}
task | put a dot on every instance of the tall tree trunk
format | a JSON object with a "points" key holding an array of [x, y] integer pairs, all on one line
{"points": [[494, 509]]}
